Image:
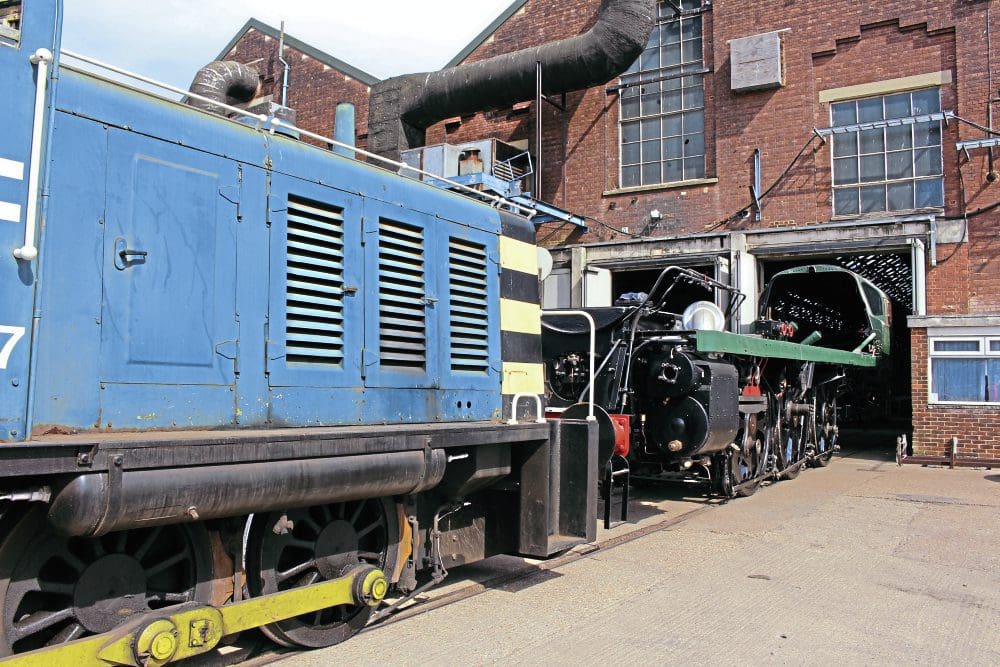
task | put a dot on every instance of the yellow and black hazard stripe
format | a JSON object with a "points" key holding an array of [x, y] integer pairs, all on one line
{"points": [[520, 315]]}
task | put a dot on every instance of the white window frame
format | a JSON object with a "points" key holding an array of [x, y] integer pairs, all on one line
{"points": [[983, 337]]}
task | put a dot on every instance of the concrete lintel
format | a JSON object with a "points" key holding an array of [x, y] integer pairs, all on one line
{"points": [[652, 252], [885, 87], [951, 321], [890, 235]]}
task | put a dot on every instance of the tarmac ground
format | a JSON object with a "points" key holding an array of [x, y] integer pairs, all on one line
{"points": [[862, 562]]}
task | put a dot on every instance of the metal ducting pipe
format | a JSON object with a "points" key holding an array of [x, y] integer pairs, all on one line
{"points": [[94, 504], [403, 107], [343, 128], [224, 81]]}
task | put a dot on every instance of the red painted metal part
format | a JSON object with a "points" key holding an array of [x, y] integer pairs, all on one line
{"points": [[622, 429]]}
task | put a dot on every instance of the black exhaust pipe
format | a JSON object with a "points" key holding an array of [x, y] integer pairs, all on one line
{"points": [[226, 81], [402, 108], [92, 505]]}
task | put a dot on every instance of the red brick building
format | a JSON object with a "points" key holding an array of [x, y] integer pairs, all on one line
{"points": [[316, 81], [754, 136]]}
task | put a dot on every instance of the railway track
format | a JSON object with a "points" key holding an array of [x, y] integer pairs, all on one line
{"points": [[255, 651]]}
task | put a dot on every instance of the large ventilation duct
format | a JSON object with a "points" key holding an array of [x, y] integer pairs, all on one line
{"points": [[402, 108], [228, 82]]}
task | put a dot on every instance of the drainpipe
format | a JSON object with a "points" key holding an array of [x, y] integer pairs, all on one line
{"points": [[919, 278], [281, 59]]}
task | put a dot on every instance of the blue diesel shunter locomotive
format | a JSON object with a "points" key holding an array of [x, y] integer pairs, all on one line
{"points": [[235, 364]]}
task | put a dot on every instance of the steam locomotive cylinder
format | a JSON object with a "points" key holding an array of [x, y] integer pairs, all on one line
{"points": [[690, 403]]}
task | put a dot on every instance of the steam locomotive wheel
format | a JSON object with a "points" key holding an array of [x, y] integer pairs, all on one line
{"points": [[745, 465], [305, 546], [55, 589], [826, 431], [794, 435]]}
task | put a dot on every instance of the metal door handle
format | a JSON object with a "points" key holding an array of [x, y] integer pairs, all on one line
{"points": [[125, 257], [130, 255]]}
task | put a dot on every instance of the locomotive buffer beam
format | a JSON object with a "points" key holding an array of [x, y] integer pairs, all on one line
{"points": [[175, 633]]}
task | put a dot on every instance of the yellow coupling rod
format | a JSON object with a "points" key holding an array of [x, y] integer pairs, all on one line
{"points": [[180, 632]]}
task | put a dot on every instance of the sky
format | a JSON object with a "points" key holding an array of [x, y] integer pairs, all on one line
{"points": [[169, 40]]}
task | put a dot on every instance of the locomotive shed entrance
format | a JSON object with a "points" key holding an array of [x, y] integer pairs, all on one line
{"points": [[878, 399], [883, 251]]}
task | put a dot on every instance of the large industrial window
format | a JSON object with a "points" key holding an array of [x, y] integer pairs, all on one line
{"points": [[663, 102], [10, 22], [965, 369], [893, 164]]}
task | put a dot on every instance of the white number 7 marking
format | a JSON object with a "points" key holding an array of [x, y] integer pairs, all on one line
{"points": [[15, 333]]}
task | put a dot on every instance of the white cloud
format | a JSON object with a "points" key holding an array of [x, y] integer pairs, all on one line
{"points": [[171, 39]]}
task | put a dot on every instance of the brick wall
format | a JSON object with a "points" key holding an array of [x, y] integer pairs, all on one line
{"points": [[977, 428], [314, 88], [827, 45]]}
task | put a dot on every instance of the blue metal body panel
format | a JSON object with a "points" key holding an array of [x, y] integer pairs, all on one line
{"points": [[18, 278], [257, 246]]}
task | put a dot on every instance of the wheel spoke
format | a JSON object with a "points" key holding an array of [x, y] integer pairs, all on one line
{"points": [[166, 563], [369, 528], [56, 587], [309, 545], [309, 579], [70, 559], [67, 634], [140, 553], [294, 571], [313, 526], [39, 621], [357, 513]]}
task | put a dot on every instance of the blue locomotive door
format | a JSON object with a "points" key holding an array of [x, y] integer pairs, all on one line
{"points": [[169, 336], [403, 261], [315, 325]]}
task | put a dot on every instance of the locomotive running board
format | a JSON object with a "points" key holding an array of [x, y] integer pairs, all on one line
{"points": [[751, 346], [175, 633]]}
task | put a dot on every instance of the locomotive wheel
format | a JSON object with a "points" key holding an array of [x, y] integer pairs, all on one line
{"points": [[791, 451], [312, 544], [745, 465], [826, 431], [55, 589], [791, 447]]}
